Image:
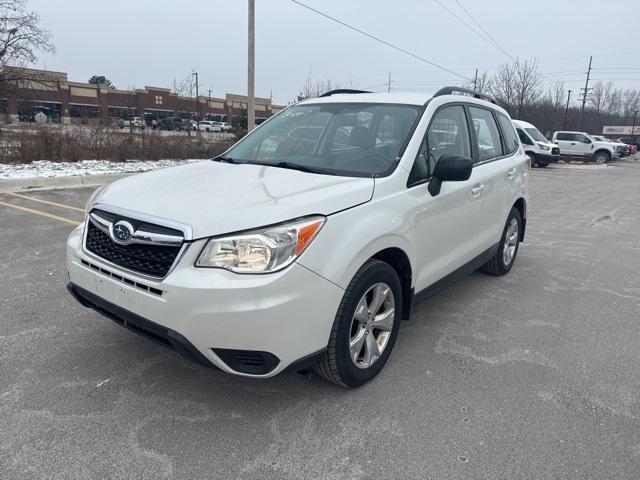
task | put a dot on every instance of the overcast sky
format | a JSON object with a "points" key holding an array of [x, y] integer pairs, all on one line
{"points": [[150, 42]]}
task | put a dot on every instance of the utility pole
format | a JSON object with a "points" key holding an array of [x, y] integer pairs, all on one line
{"points": [[195, 74], [475, 82], [389, 84], [251, 87], [633, 128], [209, 103], [585, 94], [566, 111]]}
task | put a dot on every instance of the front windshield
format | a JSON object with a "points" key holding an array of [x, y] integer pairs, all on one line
{"points": [[350, 139], [536, 135]]}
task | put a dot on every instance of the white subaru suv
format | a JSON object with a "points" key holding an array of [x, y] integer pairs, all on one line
{"points": [[308, 241]]}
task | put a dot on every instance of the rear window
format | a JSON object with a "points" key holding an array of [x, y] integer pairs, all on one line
{"points": [[487, 134], [510, 139]]}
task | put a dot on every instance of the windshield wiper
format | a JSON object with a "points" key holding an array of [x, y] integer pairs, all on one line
{"points": [[224, 159], [295, 166]]}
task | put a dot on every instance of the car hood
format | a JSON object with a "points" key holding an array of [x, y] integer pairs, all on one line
{"points": [[216, 198]]}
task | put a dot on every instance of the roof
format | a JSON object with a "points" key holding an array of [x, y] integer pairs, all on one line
{"points": [[393, 97]]}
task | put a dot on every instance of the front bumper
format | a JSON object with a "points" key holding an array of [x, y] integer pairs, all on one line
{"points": [[548, 157], [213, 316]]}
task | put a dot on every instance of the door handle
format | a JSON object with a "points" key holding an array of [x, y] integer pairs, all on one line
{"points": [[511, 173], [475, 191]]}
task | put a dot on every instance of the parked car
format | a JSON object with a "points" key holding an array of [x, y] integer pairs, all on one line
{"points": [[209, 126], [631, 142], [174, 124], [267, 259], [583, 145], [224, 126], [621, 148], [536, 145], [134, 122]]}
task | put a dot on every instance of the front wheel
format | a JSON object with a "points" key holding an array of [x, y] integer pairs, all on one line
{"points": [[365, 327], [504, 258]]}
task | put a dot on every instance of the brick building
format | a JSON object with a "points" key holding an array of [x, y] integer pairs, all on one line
{"points": [[63, 101]]}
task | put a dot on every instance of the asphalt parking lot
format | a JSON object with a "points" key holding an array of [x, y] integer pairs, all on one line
{"points": [[529, 376]]}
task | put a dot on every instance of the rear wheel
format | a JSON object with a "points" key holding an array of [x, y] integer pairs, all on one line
{"points": [[601, 157], [365, 327], [503, 260]]}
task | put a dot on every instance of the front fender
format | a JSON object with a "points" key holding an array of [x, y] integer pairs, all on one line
{"points": [[350, 238]]}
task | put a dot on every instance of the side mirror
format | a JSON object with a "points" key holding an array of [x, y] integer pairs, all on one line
{"points": [[450, 168]]}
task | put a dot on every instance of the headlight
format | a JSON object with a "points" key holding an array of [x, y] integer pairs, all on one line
{"points": [[94, 196], [261, 251], [544, 147]]}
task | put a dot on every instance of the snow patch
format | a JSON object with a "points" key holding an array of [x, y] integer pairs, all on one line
{"points": [[45, 168]]}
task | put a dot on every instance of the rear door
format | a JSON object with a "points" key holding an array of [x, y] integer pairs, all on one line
{"points": [[496, 169]]}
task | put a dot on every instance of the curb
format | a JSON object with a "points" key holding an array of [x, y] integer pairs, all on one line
{"points": [[46, 183]]}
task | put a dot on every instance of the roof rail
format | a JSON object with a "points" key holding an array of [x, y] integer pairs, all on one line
{"points": [[473, 93], [342, 90]]}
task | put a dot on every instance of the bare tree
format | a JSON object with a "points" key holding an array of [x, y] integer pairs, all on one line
{"points": [[630, 103], [503, 86], [556, 94], [313, 89], [481, 85], [184, 87], [21, 38], [598, 96], [518, 85]]}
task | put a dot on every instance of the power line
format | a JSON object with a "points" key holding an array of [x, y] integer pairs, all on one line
{"points": [[483, 29], [474, 30], [377, 39]]}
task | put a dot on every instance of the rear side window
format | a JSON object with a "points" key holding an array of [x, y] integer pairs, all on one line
{"points": [[487, 134], [564, 136], [448, 134], [510, 139]]}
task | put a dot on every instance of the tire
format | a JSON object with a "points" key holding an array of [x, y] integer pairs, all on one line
{"points": [[375, 278], [601, 157], [501, 263], [532, 156]]}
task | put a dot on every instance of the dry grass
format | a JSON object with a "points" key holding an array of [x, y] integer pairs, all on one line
{"points": [[96, 142]]}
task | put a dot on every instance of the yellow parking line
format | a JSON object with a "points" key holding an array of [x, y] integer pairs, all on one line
{"points": [[61, 205], [42, 214]]}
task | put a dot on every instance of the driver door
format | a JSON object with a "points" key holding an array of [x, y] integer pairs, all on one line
{"points": [[446, 227]]}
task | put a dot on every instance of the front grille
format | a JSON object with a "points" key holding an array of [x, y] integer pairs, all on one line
{"points": [[555, 151], [153, 260]]}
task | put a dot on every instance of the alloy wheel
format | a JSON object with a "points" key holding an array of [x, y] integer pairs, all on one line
{"points": [[510, 242], [371, 325]]}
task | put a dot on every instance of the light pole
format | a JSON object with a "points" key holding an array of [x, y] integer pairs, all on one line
{"points": [[195, 74], [633, 127], [251, 87], [566, 110], [209, 103]]}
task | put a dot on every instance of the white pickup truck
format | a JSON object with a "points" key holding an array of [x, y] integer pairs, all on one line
{"points": [[581, 144]]}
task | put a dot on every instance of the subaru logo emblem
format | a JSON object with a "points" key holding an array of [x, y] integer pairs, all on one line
{"points": [[122, 231]]}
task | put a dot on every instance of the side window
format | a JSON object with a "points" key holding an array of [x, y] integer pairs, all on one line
{"points": [[524, 138], [487, 134], [580, 138], [510, 140], [563, 136], [448, 134]]}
